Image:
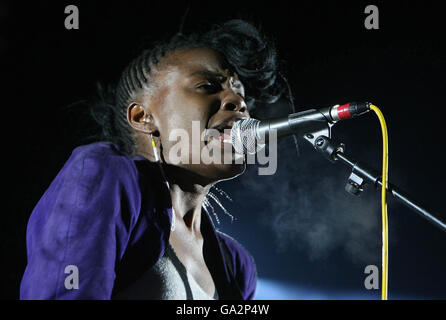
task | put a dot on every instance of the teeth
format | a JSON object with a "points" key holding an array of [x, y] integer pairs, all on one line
{"points": [[225, 126]]}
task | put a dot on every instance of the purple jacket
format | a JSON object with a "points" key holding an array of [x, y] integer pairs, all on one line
{"points": [[110, 216]]}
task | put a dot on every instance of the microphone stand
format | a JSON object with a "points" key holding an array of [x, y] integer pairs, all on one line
{"points": [[362, 174]]}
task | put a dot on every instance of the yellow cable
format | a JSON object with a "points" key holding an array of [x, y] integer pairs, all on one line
{"points": [[385, 235]]}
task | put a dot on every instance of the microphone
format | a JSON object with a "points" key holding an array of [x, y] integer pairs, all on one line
{"points": [[247, 133]]}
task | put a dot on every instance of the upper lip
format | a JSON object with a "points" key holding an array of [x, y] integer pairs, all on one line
{"points": [[226, 123]]}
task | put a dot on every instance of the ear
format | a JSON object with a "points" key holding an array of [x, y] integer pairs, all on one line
{"points": [[139, 119]]}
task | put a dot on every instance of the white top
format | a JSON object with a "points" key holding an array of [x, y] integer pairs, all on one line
{"points": [[168, 279]]}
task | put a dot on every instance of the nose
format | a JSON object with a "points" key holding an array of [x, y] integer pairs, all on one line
{"points": [[234, 102]]}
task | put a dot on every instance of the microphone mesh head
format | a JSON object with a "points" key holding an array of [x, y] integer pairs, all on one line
{"points": [[243, 136]]}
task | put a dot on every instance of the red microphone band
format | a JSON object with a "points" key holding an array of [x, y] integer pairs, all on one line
{"points": [[349, 110], [344, 111]]}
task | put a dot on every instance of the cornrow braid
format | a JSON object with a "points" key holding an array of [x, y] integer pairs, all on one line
{"points": [[249, 53]]}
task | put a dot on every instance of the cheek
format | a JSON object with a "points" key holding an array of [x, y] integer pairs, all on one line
{"points": [[182, 108], [187, 121]]}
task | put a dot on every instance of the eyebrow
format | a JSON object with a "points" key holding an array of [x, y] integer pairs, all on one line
{"points": [[208, 73], [213, 74]]}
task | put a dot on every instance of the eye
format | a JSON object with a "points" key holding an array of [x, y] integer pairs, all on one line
{"points": [[210, 87]]}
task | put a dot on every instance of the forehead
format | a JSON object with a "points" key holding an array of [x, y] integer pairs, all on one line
{"points": [[197, 61]]}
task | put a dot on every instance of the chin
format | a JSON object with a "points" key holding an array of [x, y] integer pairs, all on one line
{"points": [[220, 170], [229, 171]]}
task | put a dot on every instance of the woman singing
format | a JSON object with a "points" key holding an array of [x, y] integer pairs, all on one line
{"points": [[121, 220]]}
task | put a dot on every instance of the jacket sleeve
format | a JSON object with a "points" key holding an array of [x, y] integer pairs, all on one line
{"points": [[243, 265], [80, 228]]}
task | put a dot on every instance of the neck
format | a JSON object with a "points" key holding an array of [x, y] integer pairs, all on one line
{"points": [[187, 193]]}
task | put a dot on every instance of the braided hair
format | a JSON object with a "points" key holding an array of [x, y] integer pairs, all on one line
{"points": [[250, 54]]}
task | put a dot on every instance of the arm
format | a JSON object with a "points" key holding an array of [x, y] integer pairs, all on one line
{"points": [[82, 222], [242, 264]]}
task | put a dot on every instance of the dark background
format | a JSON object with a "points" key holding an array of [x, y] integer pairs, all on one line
{"points": [[310, 239]]}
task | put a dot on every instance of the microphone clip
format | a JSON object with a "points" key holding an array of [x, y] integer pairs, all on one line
{"points": [[324, 145], [333, 152]]}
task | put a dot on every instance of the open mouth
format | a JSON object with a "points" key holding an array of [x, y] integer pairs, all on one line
{"points": [[225, 131], [221, 132], [219, 136]]}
